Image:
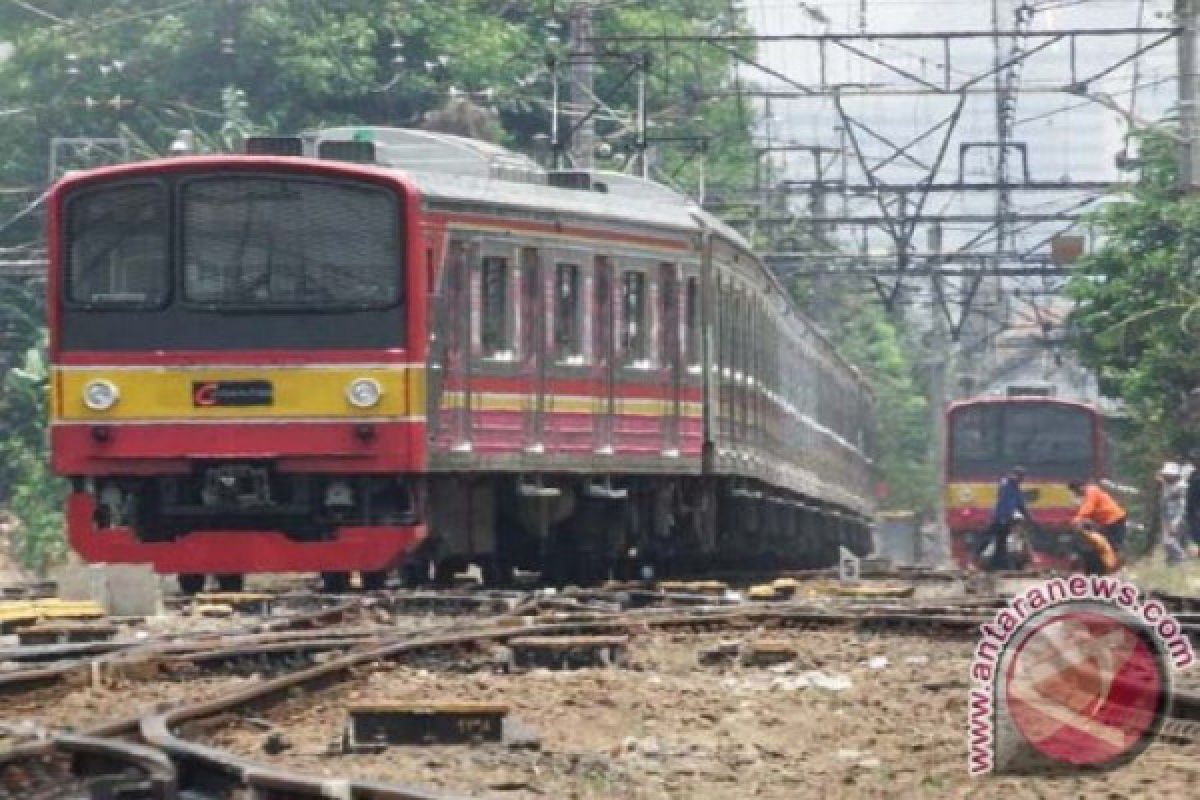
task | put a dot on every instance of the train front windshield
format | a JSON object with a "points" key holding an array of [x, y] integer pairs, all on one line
{"points": [[1050, 441], [233, 261]]}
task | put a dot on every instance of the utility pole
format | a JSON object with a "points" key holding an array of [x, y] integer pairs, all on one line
{"points": [[939, 363], [1188, 17], [581, 95]]}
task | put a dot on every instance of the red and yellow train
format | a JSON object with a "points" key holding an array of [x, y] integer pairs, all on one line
{"points": [[1054, 440], [366, 348]]}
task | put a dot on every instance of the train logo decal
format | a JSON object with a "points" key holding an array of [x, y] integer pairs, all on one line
{"points": [[207, 394]]}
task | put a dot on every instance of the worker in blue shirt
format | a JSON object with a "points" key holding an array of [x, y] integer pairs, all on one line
{"points": [[1009, 503]]}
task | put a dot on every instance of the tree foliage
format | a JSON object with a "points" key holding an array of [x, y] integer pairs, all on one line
{"points": [[223, 69], [33, 494], [1137, 321]]}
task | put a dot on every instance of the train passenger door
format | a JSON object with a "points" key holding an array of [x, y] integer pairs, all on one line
{"points": [[603, 357], [496, 422], [451, 393], [532, 321], [670, 362]]}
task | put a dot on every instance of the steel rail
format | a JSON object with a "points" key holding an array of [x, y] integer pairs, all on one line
{"points": [[173, 762], [217, 769], [206, 767]]}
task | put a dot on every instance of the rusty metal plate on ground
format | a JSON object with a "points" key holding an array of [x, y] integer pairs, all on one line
{"points": [[246, 602], [768, 652], [373, 726], [63, 634], [569, 652]]}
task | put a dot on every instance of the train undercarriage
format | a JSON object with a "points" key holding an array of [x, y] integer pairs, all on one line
{"points": [[568, 528], [577, 529]]}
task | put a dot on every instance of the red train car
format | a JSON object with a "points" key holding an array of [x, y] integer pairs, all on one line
{"points": [[1055, 440], [372, 347]]}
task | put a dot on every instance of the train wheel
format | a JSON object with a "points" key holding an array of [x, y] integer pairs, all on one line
{"points": [[497, 573], [335, 582], [415, 573], [190, 582], [374, 581], [231, 583], [447, 569]]}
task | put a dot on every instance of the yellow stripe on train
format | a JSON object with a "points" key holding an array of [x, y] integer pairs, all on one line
{"points": [[566, 404], [166, 393], [1038, 494]]}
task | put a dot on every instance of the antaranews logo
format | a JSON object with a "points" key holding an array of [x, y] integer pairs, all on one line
{"points": [[1073, 672]]}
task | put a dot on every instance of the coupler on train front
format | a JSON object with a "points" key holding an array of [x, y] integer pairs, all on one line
{"points": [[226, 520]]}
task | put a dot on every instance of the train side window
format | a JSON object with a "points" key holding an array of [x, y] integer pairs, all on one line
{"points": [[668, 322], [568, 327], [455, 299], [529, 320], [602, 311], [721, 361], [634, 336], [692, 323], [738, 360], [496, 330]]}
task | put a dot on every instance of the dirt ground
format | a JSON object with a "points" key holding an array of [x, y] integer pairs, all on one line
{"points": [[125, 691], [854, 715], [1154, 573], [78, 707]]}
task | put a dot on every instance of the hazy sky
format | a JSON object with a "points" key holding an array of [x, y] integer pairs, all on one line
{"points": [[1067, 136]]}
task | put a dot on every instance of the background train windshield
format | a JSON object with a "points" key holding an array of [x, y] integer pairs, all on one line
{"points": [[1050, 441]]}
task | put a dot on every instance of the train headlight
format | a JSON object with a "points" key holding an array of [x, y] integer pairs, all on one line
{"points": [[364, 392], [100, 395]]}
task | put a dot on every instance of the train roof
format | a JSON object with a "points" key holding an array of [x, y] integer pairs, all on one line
{"points": [[996, 400], [458, 169]]}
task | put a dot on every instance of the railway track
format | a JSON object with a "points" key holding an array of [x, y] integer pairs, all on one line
{"points": [[157, 756]]}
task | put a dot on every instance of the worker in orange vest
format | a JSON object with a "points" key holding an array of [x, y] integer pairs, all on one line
{"points": [[1101, 510], [1099, 556]]}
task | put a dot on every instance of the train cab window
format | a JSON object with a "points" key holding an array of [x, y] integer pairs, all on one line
{"points": [[288, 243], [568, 327], [496, 327], [117, 247], [634, 338], [691, 324]]}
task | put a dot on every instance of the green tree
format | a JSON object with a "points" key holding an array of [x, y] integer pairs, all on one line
{"points": [[224, 69], [33, 494], [1137, 319]]}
